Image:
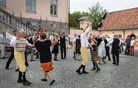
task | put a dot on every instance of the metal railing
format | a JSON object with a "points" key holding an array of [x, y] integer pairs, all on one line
{"points": [[11, 20]]}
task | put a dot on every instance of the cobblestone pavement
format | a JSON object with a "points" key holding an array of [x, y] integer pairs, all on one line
{"points": [[111, 76]]}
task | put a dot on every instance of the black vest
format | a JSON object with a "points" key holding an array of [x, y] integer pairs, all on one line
{"points": [[62, 41], [115, 44]]}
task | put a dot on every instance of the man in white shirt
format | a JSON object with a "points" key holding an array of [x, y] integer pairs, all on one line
{"points": [[9, 36], [20, 43], [63, 40], [2, 45], [84, 52]]}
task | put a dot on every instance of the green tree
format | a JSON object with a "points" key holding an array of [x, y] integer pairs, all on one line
{"points": [[84, 14], [96, 12], [73, 18], [72, 21]]}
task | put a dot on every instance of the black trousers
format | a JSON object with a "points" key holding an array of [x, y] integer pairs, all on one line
{"points": [[37, 55], [26, 61], [63, 50], [108, 52], [10, 58], [115, 54]]}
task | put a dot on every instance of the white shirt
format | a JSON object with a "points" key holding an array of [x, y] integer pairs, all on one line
{"points": [[9, 36], [109, 40], [51, 37], [4, 40], [14, 41], [84, 40], [74, 39], [132, 42]]}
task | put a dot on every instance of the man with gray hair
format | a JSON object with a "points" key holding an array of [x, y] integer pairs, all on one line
{"points": [[20, 43], [115, 49]]}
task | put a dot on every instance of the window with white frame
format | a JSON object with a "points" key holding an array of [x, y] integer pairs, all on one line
{"points": [[31, 6], [53, 7], [2, 3]]}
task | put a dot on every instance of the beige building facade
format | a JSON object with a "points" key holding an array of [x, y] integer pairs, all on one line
{"points": [[49, 14]]}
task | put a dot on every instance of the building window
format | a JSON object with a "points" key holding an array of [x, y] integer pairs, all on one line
{"points": [[51, 25], [53, 7], [31, 6], [2, 3]]}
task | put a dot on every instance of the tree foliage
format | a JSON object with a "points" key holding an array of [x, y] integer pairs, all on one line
{"points": [[95, 12], [73, 18]]}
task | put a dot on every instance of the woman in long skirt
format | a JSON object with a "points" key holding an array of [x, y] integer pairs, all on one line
{"points": [[94, 53]]}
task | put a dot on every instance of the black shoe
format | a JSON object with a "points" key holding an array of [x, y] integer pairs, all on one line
{"points": [[17, 70], [100, 63], [98, 69], [74, 57], [104, 62], [78, 72], [44, 80], [36, 58], [52, 82], [93, 69], [55, 59], [3, 58], [79, 60], [19, 81], [113, 63], [32, 60], [6, 68], [84, 72], [27, 83]]}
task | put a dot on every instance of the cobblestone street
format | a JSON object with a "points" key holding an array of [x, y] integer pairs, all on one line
{"points": [[111, 76]]}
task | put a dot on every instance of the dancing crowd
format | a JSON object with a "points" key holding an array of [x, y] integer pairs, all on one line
{"points": [[43, 46]]}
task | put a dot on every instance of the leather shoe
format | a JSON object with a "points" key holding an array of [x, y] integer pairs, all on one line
{"points": [[55, 59], [32, 60], [27, 83], [113, 63], [78, 72], [44, 80], [52, 82], [19, 81], [84, 72], [17, 70], [6, 68], [98, 69], [93, 69], [3, 58]]}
